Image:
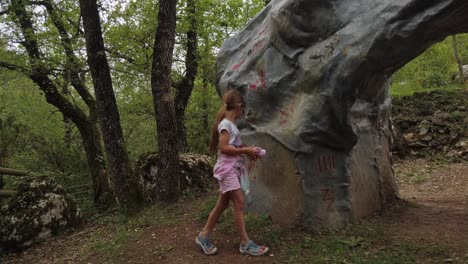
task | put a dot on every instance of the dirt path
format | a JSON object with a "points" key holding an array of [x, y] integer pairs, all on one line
{"points": [[437, 215]]}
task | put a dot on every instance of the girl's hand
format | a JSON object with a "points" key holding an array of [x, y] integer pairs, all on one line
{"points": [[251, 152]]}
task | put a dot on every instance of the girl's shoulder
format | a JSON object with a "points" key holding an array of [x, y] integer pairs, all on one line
{"points": [[226, 123]]}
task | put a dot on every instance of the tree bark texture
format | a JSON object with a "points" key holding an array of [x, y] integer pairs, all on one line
{"points": [[109, 119], [2, 164], [185, 88], [167, 181], [92, 143], [86, 125], [208, 76], [205, 118], [457, 58]]}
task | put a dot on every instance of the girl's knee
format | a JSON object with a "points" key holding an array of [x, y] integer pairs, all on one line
{"points": [[224, 206], [239, 204], [237, 199], [239, 207], [220, 207]]}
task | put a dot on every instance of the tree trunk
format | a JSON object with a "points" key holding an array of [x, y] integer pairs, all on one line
{"points": [[2, 183], [167, 181], [205, 117], [186, 86], [457, 58], [2, 164], [38, 75], [117, 157], [207, 79], [103, 196]]}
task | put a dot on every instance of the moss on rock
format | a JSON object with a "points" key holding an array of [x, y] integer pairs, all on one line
{"points": [[41, 208]]}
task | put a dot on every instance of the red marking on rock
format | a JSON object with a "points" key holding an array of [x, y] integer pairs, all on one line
{"points": [[326, 163], [237, 66], [327, 196]]}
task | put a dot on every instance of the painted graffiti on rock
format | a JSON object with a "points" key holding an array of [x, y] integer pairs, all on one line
{"points": [[287, 113], [327, 197], [327, 52], [259, 45], [326, 163], [259, 81]]}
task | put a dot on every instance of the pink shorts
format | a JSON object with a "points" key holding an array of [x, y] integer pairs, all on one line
{"points": [[230, 181]]}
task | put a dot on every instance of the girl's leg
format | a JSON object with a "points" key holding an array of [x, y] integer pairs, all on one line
{"points": [[237, 198], [221, 205]]}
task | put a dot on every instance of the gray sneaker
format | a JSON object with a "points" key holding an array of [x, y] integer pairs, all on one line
{"points": [[206, 245]]}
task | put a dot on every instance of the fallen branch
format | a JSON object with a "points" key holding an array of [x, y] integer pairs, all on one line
{"points": [[7, 193]]}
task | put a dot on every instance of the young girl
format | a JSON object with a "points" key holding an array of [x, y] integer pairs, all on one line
{"points": [[225, 137]]}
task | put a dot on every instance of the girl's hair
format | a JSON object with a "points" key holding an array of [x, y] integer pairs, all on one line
{"points": [[230, 99]]}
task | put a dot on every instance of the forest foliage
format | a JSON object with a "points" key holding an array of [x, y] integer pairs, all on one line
{"points": [[36, 136]]}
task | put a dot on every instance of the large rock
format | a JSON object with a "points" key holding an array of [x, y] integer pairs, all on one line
{"points": [[196, 174], [41, 208], [315, 77]]}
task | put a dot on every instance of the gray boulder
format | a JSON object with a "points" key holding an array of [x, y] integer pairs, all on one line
{"points": [[315, 75], [41, 208], [196, 174]]}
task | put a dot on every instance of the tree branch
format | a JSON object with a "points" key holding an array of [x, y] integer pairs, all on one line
{"points": [[25, 23], [39, 72], [14, 67], [78, 32], [36, 2], [185, 87], [120, 55], [72, 60]]}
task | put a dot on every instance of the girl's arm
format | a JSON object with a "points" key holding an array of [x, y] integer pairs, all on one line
{"points": [[230, 150]]}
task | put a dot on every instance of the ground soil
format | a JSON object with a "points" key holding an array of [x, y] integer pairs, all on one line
{"points": [[437, 214]]}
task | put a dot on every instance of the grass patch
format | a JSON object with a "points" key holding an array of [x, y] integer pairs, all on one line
{"points": [[414, 177], [359, 243], [87, 207], [419, 179], [110, 245], [262, 229], [259, 227], [117, 229], [159, 214], [206, 208], [406, 89], [366, 243]]}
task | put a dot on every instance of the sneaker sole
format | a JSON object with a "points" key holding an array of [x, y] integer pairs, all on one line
{"points": [[246, 252], [203, 248]]}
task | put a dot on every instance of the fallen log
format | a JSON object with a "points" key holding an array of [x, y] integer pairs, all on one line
{"points": [[7, 193], [13, 172]]}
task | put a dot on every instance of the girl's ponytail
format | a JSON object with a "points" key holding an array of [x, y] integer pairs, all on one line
{"points": [[214, 131], [230, 99]]}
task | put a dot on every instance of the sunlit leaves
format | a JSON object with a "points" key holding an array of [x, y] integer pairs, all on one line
{"points": [[434, 68]]}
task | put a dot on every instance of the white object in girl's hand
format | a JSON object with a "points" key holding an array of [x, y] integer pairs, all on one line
{"points": [[261, 152]]}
